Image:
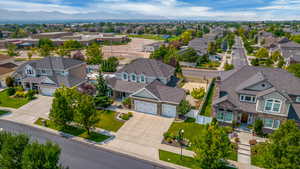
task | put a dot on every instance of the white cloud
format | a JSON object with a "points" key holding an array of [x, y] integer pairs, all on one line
{"points": [[156, 9]]}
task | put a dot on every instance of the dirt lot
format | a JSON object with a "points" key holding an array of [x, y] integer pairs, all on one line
{"points": [[131, 51]]}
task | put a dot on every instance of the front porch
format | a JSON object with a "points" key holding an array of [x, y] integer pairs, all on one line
{"points": [[119, 96]]}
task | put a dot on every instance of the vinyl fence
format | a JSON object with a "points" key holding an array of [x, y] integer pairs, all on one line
{"points": [[199, 118]]}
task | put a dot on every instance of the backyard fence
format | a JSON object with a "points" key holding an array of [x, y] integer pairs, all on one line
{"points": [[199, 118]]}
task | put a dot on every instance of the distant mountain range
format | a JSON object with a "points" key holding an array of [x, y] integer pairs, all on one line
{"points": [[7, 16]]}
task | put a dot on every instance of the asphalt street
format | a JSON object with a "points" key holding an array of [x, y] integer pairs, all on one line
{"points": [[239, 58], [78, 155]]}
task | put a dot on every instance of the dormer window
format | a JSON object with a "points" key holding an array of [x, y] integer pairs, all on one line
{"points": [[125, 76], [273, 105], [133, 77], [298, 99], [143, 79]]}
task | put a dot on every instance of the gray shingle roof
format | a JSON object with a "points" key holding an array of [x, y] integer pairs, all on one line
{"points": [[166, 93], [149, 67], [284, 82], [124, 86], [56, 63]]}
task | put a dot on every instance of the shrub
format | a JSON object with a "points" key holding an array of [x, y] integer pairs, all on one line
{"points": [[19, 88], [20, 94], [228, 129], [184, 107], [190, 120], [198, 93], [11, 91], [127, 102], [30, 94], [258, 126], [126, 116], [9, 81]]}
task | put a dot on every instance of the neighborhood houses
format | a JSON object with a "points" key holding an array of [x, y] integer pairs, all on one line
{"points": [[171, 95]]}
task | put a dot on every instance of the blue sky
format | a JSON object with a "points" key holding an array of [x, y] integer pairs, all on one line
{"points": [[163, 9]]}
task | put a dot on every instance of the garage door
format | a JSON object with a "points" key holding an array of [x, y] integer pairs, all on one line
{"points": [[168, 110], [47, 91], [145, 107]]}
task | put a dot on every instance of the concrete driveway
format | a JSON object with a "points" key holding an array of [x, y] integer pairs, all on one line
{"points": [[30, 112], [142, 134]]}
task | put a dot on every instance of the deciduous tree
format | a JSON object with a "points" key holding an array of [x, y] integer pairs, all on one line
{"points": [[212, 148]]}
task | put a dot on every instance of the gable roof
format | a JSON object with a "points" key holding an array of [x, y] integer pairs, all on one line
{"points": [[124, 86], [56, 63], [148, 67], [282, 82], [166, 93]]}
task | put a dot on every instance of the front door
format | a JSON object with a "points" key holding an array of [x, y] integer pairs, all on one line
{"points": [[244, 118]]}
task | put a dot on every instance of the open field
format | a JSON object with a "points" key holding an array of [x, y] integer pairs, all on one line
{"points": [[129, 52]]}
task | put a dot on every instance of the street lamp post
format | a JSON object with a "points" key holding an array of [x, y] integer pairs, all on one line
{"points": [[181, 132]]}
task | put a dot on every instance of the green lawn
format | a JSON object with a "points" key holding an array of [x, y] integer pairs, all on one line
{"points": [[108, 121], [7, 101], [191, 132], [75, 131], [176, 159], [2, 112]]}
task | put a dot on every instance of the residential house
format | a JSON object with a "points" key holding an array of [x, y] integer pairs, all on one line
{"points": [[290, 51], [251, 93], [146, 82], [50, 73], [152, 47]]}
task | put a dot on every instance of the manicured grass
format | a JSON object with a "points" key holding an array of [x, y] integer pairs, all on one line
{"points": [[174, 158], [2, 112], [75, 131], [7, 101], [193, 131], [108, 120]]}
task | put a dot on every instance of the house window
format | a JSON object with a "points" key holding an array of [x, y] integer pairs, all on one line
{"points": [[29, 71], [125, 76], [225, 116], [142, 78], [273, 105], [133, 77], [298, 99], [248, 98], [270, 123]]}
